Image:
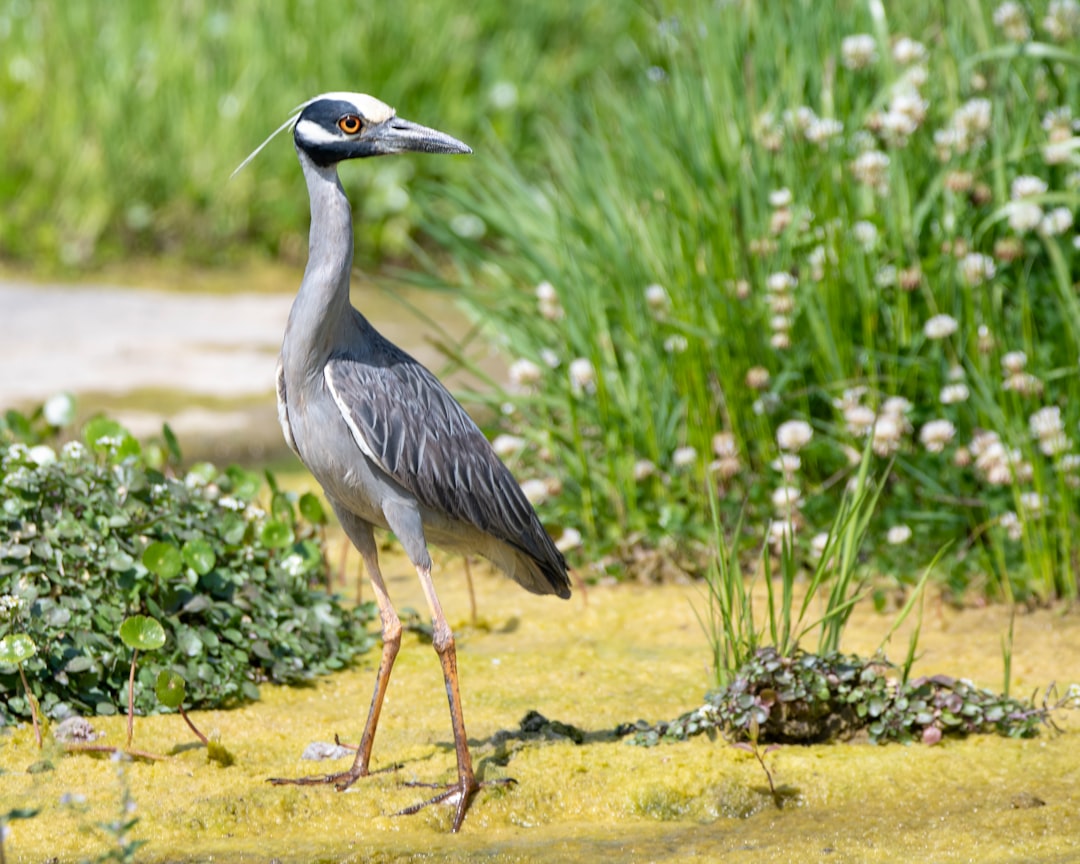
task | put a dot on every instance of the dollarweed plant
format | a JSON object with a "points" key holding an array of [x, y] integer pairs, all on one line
{"points": [[752, 269], [103, 546]]}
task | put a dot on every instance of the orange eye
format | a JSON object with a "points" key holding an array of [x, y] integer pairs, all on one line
{"points": [[349, 124]]}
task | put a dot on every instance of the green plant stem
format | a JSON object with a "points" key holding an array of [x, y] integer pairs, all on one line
{"points": [[33, 716], [191, 725], [131, 698]]}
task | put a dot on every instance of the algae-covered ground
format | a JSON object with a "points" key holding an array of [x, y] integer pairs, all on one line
{"points": [[621, 654]]}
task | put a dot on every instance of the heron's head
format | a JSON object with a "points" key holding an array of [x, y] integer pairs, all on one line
{"points": [[334, 127], [337, 126]]}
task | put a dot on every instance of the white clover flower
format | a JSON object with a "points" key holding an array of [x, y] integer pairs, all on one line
{"points": [[782, 304], [793, 435], [936, 434], [976, 268], [230, 503], [781, 282], [550, 358], [818, 543], [548, 300], [1027, 186], [907, 51], [546, 293], [643, 469], [683, 457], [780, 198], [967, 128], [1062, 21], [886, 435], [1014, 362], [822, 130], [1014, 528], [1024, 383], [780, 323], [723, 444], [524, 373], [952, 394], [757, 377], [569, 539], [866, 235], [536, 490], [786, 499], [1046, 421], [1011, 19], [940, 327], [1047, 427], [782, 532], [508, 445], [898, 535], [1057, 221], [582, 376], [780, 340], [656, 297], [859, 420], [885, 276], [871, 168], [858, 51], [896, 406], [1024, 216], [676, 344], [787, 464], [1032, 503]]}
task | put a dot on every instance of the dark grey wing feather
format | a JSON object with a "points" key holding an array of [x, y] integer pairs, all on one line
{"points": [[403, 418]]}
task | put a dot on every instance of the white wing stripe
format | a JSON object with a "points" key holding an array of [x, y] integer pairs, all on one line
{"points": [[346, 414]]}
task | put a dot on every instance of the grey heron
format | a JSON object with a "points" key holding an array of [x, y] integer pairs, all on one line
{"points": [[387, 442]]}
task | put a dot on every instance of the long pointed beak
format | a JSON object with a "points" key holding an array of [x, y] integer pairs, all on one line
{"points": [[398, 135]]}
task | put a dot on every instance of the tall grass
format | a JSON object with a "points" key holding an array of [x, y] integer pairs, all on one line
{"points": [[840, 233], [121, 122]]}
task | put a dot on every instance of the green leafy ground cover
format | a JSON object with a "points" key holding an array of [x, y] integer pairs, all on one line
{"points": [[93, 533]]}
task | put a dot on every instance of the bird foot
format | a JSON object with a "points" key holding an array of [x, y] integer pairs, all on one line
{"points": [[340, 781], [460, 793]]}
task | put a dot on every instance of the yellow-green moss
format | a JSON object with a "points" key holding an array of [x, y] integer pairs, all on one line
{"points": [[623, 654]]}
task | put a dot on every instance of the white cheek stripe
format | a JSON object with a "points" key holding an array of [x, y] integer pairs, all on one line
{"points": [[313, 133], [347, 416]]}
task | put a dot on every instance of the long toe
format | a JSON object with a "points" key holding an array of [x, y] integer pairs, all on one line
{"points": [[341, 781], [459, 794]]}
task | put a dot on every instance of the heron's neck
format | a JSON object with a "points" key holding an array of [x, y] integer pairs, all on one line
{"points": [[319, 311]]}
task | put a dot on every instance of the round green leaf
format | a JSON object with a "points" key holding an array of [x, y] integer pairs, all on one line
{"points": [[245, 484], [199, 556], [142, 633], [162, 559], [275, 534], [16, 648], [311, 508], [169, 688]]}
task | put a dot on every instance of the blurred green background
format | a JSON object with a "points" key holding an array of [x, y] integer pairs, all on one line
{"points": [[121, 122], [727, 251]]}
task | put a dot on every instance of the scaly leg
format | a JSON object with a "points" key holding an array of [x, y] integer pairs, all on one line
{"points": [[461, 792], [391, 636]]}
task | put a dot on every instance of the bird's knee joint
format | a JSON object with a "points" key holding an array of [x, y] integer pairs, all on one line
{"points": [[443, 639], [391, 633]]}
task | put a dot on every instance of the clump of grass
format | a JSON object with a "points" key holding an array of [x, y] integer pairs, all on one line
{"points": [[140, 114], [752, 271]]}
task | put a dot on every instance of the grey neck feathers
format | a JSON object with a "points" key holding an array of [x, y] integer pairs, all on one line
{"points": [[319, 312]]}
